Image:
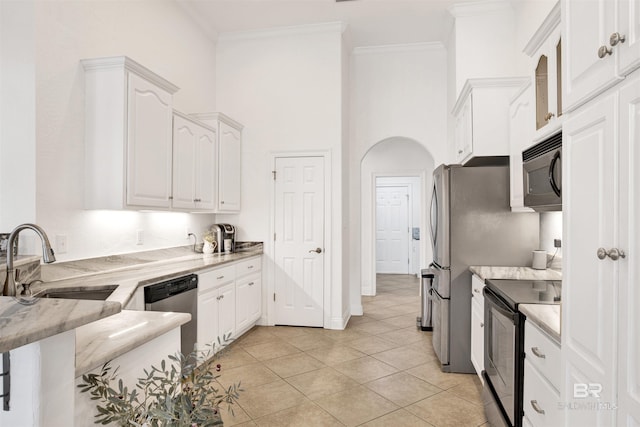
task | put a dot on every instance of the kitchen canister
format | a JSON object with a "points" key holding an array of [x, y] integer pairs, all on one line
{"points": [[539, 260]]}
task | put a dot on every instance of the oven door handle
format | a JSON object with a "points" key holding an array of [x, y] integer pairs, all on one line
{"points": [[498, 305]]}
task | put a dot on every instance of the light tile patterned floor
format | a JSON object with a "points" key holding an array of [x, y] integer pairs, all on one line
{"points": [[379, 371]]}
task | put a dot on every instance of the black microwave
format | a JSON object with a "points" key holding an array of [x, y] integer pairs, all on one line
{"points": [[542, 175]]}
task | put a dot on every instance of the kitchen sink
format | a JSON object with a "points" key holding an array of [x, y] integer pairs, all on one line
{"points": [[98, 293]]}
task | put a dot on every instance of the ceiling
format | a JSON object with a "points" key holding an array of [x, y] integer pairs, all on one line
{"points": [[369, 22]]}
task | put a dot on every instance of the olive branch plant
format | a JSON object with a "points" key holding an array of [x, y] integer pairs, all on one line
{"points": [[178, 393]]}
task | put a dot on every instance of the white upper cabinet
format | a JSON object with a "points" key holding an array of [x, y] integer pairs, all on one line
{"points": [[229, 133], [128, 135], [194, 164], [521, 130], [602, 45], [545, 50], [482, 117]]}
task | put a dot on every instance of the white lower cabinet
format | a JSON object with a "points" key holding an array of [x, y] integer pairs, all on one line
{"points": [[477, 325], [229, 300], [541, 396]]}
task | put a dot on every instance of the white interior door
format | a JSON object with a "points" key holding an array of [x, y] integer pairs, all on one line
{"points": [[392, 230], [299, 241]]}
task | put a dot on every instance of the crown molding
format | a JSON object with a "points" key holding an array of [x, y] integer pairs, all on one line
{"points": [[327, 27], [124, 62], [218, 117], [393, 48], [489, 82], [543, 32], [478, 8]]}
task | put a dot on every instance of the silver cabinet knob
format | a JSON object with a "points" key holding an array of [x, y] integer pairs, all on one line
{"points": [[548, 116], [482, 324], [316, 250], [459, 151], [616, 38], [476, 290], [604, 51], [613, 253]]}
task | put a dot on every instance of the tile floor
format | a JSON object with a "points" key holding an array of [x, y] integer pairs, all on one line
{"points": [[379, 371]]}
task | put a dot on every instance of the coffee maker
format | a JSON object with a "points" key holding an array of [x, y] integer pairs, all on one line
{"points": [[225, 235]]}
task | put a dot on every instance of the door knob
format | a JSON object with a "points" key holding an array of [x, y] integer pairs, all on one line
{"points": [[604, 51], [316, 250], [616, 38], [614, 254]]}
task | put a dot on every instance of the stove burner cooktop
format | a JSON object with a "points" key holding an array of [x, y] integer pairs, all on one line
{"points": [[515, 292]]}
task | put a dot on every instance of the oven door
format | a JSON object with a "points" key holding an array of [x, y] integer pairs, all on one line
{"points": [[500, 357], [542, 180]]}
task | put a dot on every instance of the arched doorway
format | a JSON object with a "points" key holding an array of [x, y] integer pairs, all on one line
{"points": [[401, 159]]}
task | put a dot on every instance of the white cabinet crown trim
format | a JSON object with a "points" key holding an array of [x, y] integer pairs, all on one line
{"points": [[471, 84], [95, 64], [217, 116], [549, 24]]}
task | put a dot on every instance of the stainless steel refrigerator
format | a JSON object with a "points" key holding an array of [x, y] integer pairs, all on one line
{"points": [[471, 223]]}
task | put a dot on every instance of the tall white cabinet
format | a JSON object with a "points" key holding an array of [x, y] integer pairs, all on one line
{"points": [[229, 160], [195, 164], [128, 135], [601, 207]]}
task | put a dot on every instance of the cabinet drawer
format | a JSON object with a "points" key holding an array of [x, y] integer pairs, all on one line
{"points": [[249, 266], [223, 275], [540, 399], [542, 353]]}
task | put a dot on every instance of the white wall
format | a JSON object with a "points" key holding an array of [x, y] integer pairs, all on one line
{"points": [[285, 86], [155, 33], [398, 93]]}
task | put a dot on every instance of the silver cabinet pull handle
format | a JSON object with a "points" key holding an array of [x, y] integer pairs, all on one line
{"points": [[476, 290], [536, 351], [221, 296], [219, 277], [613, 253], [604, 51], [536, 407], [250, 267], [617, 38], [251, 283]]}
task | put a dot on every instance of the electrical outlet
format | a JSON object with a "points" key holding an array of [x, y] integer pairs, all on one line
{"points": [[61, 243], [557, 243], [140, 237]]}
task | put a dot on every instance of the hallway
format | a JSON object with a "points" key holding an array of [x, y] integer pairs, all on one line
{"points": [[379, 371]]}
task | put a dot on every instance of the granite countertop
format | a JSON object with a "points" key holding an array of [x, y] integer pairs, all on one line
{"points": [[546, 316], [24, 324], [514, 273]]}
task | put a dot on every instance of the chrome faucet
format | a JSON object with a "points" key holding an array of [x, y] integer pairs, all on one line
{"points": [[48, 256]]}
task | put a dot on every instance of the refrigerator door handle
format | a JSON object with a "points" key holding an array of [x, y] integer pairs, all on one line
{"points": [[433, 227]]}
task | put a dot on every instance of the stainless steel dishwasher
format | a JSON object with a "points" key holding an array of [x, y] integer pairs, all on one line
{"points": [[177, 295]]}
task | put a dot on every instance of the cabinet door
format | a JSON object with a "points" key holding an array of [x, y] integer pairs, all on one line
{"points": [[206, 170], [587, 27], [477, 336], [248, 301], [207, 318], [227, 311], [229, 171], [149, 142], [184, 155], [629, 27], [629, 315], [520, 137], [464, 131], [589, 308]]}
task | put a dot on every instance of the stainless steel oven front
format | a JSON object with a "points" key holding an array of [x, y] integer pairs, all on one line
{"points": [[542, 175], [503, 362]]}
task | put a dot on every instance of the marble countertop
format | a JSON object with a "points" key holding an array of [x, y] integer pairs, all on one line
{"points": [[24, 324], [514, 273], [100, 341], [546, 316]]}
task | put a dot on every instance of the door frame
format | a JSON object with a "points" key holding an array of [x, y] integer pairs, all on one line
{"points": [[371, 250], [409, 188], [270, 274]]}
